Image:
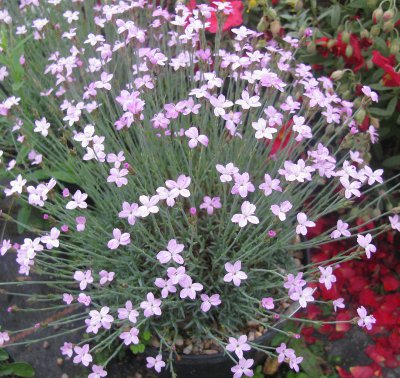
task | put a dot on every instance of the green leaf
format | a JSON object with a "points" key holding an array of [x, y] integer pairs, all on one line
{"points": [[136, 349], [42, 174], [5, 370], [22, 369], [146, 335], [359, 4], [379, 112], [22, 153], [23, 217], [381, 44], [335, 16], [3, 355], [392, 162]]}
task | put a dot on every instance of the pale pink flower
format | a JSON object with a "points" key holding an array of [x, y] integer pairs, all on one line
{"points": [[365, 242], [220, 103], [67, 349], [176, 274], [84, 299], [210, 204], [16, 186], [118, 176], [119, 239], [173, 252], [341, 230], [181, 184], [131, 336], [262, 130], [149, 205], [242, 185], [303, 296], [247, 102], [42, 127], [106, 277], [51, 240], [227, 172], [84, 278], [243, 368], [365, 320], [151, 306], [78, 201], [97, 372], [101, 318], [327, 277], [208, 301], [157, 363], [281, 209], [5, 246], [247, 215], [235, 273], [269, 185], [196, 138], [128, 312], [338, 303], [129, 211], [4, 337], [351, 188], [189, 288], [304, 223], [395, 222], [268, 303], [168, 195], [238, 346], [68, 298], [166, 286], [80, 223], [82, 355], [369, 93]]}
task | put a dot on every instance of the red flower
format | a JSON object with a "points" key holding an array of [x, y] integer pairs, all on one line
{"points": [[391, 78], [356, 60]]}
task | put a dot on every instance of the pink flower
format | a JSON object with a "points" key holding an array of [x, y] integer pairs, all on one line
{"points": [[365, 320], [129, 211], [341, 230], [101, 318], [176, 274], [208, 301], [268, 303], [269, 185], [157, 363], [181, 184], [82, 355], [350, 188], [262, 130], [51, 240], [281, 209], [395, 222], [119, 239], [210, 204], [166, 286], [68, 298], [151, 306], [80, 223], [130, 337], [4, 337], [220, 103], [67, 349], [97, 372], [149, 205], [247, 102], [284, 352], [84, 299], [189, 288], [243, 368], [327, 278], [128, 313], [173, 252], [227, 172], [238, 346], [78, 200], [42, 127], [5, 246], [234, 273], [118, 176], [303, 296], [247, 215], [84, 278], [242, 185], [301, 228], [365, 242], [338, 303], [106, 277], [195, 138], [369, 93]]}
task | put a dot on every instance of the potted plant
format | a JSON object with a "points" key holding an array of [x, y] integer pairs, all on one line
{"points": [[176, 175]]}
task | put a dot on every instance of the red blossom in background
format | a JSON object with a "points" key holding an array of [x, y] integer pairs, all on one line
{"points": [[391, 78]]}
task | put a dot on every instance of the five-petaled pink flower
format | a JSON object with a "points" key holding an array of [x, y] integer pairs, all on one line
{"points": [[119, 239], [243, 368], [189, 288], [82, 355], [106, 277], [157, 363], [97, 372], [341, 230], [84, 278], [78, 201], [128, 312], [235, 273], [281, 209], [365, 242], [151, 306], [268, 303], [242, 185], [4, 337], [247, 215], [195, 138], [238, 346], [130, 337], [304, 223], [208, 301], [210, 204], [227, 172], [365, 320], [173, 252], [303, 296], [327, 277]]}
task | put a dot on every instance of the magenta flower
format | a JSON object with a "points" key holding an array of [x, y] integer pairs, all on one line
{"points": [[268, 303], [327, 278], [281, 209], [365, 242], [82, 355], [238, 346], [365, 320], [128, 313], [130, 337], [247, 215], [84, 278], [242, 184], [173, 252], [97, 372], [151, 306], [189, 288], [157, 363], [301, 228], [243, 368], [235, 273], [196, 138], [106, 277], [208, 301], [119, 239], [209, 204]]}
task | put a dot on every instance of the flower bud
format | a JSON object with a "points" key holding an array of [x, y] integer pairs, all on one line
{"points": [[364, 33], [346, 37], [388, 15], [375, 30], [375, 122], [275, 27], [262, 25], [271, 13], [298, 5], [311, 48], [331, 43], [360, 115], [394, 47], [369, 64], [349, 51], [377, 15], [337, 75], [388, 26]]}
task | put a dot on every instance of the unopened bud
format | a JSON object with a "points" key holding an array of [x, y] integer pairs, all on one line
{"points": [[388, 26], [331, 43], [375, 122], [369, 64], [346, 37], [394, 47], [262, 25], [360, 115], [337, 75], [271, 13], [388, 15], [311, 48], [377, 15], [375, 30], [364, 33], [275, 27], [349, 51]]}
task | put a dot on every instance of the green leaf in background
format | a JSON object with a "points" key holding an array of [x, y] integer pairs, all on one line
{"points": [[311, 362], [381, 44], [5, 370], [23, 217], [363, 4], [22, 369], [146, 336], [3, 355], [392, 162], [335, 16], [385, 112], [136, 349]]}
